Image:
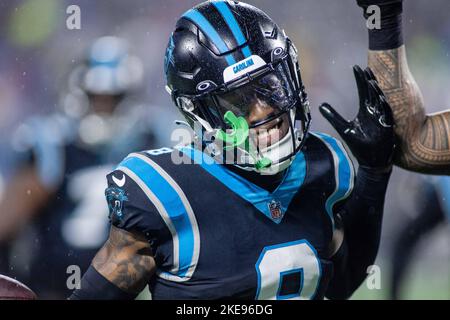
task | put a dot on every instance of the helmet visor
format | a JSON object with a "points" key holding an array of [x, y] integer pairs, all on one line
{"points": [[264, 97]]}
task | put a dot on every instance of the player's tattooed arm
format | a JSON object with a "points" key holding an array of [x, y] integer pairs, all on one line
{"points": [[424, 140], [125, 260]]}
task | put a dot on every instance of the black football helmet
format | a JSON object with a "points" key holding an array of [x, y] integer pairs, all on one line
{"points": [[222, 59]]}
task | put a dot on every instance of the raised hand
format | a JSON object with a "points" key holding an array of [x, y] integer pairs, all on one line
{"points": [[370, 136]]}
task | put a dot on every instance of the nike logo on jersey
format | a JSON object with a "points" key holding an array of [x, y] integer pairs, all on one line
{"points": [[119, 182]]}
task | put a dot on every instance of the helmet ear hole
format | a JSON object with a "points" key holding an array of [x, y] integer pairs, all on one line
{"points": [[206, 85], [277, 53]]}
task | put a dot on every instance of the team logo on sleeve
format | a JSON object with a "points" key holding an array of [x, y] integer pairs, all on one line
{"points": [[275, 209], [115, 198]]}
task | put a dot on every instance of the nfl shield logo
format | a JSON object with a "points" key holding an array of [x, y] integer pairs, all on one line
{"points": [[275, 209]]}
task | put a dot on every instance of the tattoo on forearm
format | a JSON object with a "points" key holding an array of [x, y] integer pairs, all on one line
{"points": [[125, 261], [423, 139]]}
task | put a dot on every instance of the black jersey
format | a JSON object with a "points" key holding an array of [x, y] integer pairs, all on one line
{"points": [[215, 234]]}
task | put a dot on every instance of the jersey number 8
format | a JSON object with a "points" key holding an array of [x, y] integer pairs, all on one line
{"points": [[290, 270]]}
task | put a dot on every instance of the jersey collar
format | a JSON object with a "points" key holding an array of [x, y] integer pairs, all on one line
{"points": [[272, 204]]}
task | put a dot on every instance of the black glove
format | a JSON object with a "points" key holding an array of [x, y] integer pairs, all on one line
{"points": [[370, 136]]}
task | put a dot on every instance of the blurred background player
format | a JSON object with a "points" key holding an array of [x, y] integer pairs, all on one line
{"points": [[63, 159], [432, 205]]}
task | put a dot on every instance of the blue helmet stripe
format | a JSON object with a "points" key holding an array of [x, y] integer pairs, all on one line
{"points": [[229, 18], [246, 51], [108, 64], [200, 20]]}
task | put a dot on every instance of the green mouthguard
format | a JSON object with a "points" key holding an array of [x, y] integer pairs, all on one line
{"points": [[239, 132], [239, 136], [263, 163]]}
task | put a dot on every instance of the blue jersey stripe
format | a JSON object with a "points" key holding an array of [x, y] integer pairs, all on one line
{"points": [[229, 18], [171, 201], [345, 174], [200, 20]]}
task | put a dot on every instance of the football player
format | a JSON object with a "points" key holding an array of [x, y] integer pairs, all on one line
{"points": [[257, 207], [64, 156], [423, 139]]}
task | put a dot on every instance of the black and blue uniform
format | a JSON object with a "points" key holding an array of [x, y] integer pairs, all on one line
{"points": [[214, 234]]}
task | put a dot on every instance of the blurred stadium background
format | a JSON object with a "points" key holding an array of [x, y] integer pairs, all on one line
{"points": [[37, 52]]}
